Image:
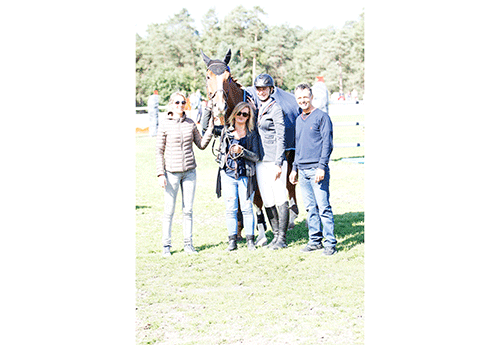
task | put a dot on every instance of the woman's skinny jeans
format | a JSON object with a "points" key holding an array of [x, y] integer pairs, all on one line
{"points": [[232, 190], [187, 181]]}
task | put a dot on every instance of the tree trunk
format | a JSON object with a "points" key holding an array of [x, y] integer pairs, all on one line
{"points": [[254, 64]]}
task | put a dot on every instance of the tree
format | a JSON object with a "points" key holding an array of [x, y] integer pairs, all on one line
{"points": [[211, 37], [276, 58], [315, 56], [168, 59], [243, 31], [357, 55]]}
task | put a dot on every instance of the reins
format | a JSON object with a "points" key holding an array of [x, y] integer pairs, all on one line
{"points": [[220, 67], [223, 156]]}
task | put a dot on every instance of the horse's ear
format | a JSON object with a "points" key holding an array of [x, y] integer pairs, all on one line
{"points": [[228, 57], [205, 58]]}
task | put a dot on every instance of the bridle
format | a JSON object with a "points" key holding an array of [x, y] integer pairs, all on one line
{"points": [[212, 95], [217, 68]]}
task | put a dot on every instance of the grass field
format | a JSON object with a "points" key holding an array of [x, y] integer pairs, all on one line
{"points": [[243, 297]]}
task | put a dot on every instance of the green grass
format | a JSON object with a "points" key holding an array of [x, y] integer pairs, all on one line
{"points": [[242, 297]]}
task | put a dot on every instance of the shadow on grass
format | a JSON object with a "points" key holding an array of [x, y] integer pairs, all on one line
{"points": [[208, 246], [349, 231], [139, 207], [180, 250], [340, 158]]}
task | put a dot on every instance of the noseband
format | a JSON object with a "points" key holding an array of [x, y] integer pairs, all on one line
{"points": [[212, 95]]}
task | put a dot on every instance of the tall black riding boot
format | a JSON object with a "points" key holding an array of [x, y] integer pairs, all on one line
{"points": [[232, 243], [272, 216], [284, 213]]}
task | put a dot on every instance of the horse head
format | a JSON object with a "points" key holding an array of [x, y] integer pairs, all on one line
{"points": [[218, 77]]}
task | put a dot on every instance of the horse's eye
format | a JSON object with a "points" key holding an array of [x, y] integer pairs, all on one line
{"points": [[208, 77]]}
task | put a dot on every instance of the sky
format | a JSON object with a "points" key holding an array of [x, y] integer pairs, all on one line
{"points": [[334, 13]]}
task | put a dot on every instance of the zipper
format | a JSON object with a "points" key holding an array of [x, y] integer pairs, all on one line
{"points": [[182, 147]]}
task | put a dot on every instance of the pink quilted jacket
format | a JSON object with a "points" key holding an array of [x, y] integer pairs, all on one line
{"points": [[174, 144]]}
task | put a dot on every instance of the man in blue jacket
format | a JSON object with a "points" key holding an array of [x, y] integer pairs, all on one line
{"points": [[313, 147]]}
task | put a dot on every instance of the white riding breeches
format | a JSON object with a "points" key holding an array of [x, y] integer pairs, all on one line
{"points": [[273, 192]]}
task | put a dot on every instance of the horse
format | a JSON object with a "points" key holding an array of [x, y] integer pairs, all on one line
{"points": [[225, 92]]}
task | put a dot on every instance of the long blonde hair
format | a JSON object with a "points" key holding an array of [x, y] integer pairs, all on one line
{"points": [[251, 119]]}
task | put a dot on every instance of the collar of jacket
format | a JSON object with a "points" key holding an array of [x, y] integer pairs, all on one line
{"points": [[264, 110], [180, 119]]}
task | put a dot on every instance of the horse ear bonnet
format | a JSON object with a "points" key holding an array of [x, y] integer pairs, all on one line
{"points": [[217, 66], [206, 59]]}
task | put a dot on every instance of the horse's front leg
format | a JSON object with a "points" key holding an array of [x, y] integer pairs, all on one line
{"points": [[261, 222], [239, 216]]}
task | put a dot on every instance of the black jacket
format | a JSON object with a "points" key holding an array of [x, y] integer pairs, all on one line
{"points": [[250, 157]]}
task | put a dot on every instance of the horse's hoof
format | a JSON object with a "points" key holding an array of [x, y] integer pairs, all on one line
{"points": [[261, 242]]}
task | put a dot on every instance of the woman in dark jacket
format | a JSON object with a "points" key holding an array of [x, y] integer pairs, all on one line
{"points": [[272, 168], [236, 177]]}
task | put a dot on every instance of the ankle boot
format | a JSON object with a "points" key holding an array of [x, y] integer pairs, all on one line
{"points": [[232, 243], [272, 216], [250, 242], [283, 226]]}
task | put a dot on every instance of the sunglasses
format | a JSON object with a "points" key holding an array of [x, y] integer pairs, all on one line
{"points": [[178, 102], [243, 114]]}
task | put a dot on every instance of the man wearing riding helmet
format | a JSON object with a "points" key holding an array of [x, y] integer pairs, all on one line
{"points": [[272, 167]]}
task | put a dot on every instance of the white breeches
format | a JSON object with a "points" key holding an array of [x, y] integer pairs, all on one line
{"points": [[273, 192]]}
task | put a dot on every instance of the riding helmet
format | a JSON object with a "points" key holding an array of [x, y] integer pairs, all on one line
{"points": [[263, 80]]}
